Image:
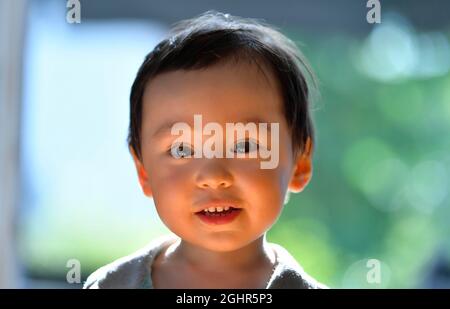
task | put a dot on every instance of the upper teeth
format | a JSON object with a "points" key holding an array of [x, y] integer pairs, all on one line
{"points": [[217, 209]]}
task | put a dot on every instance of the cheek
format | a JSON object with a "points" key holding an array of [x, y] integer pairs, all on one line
{"points": [[270, 184], [166, 174], [263, 189], [171, 186]]}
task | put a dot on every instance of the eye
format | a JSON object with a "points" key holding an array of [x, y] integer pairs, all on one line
{"points": [[180, 150], [246, 146]]}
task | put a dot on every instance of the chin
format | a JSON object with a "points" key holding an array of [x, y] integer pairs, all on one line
{"points": [[222, 244]]}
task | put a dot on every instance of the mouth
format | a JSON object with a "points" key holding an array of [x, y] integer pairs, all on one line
{"points": [[217, 210], [218, 214]]}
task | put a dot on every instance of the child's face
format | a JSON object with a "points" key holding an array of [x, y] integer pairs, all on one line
{"points": [[224, 93]]}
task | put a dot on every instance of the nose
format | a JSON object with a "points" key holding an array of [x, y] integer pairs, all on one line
{"points": [[214, 175]]}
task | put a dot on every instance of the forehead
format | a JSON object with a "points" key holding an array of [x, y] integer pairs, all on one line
{"points": [[226, 92]]}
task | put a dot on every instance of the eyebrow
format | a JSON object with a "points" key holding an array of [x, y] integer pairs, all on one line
{"points": [[167, 126]]}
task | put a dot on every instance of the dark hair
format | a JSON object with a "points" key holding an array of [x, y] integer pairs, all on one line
{"points": [[214, 37]]}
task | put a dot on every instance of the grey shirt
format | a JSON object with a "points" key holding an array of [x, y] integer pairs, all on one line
{"points": [[134, 271]]}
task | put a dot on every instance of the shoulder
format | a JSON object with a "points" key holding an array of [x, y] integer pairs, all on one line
{"points": [[129, 272], [288, 274]]}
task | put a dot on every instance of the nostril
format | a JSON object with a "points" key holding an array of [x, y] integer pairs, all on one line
{"points": [[222, 184]]}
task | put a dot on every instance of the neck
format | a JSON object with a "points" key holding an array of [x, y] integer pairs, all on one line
{"points": [[255, 254]]}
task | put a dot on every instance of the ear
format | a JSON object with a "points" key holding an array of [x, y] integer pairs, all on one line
{"points": [[142, 174], [302, 172]]}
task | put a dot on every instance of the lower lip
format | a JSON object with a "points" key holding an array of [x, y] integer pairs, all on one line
{"points": [[219, 218]]}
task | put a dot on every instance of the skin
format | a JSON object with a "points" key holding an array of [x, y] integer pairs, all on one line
{"points": [[236, 254]]}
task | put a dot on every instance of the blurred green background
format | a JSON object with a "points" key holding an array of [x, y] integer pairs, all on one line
{"points": [[381, 175]]}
